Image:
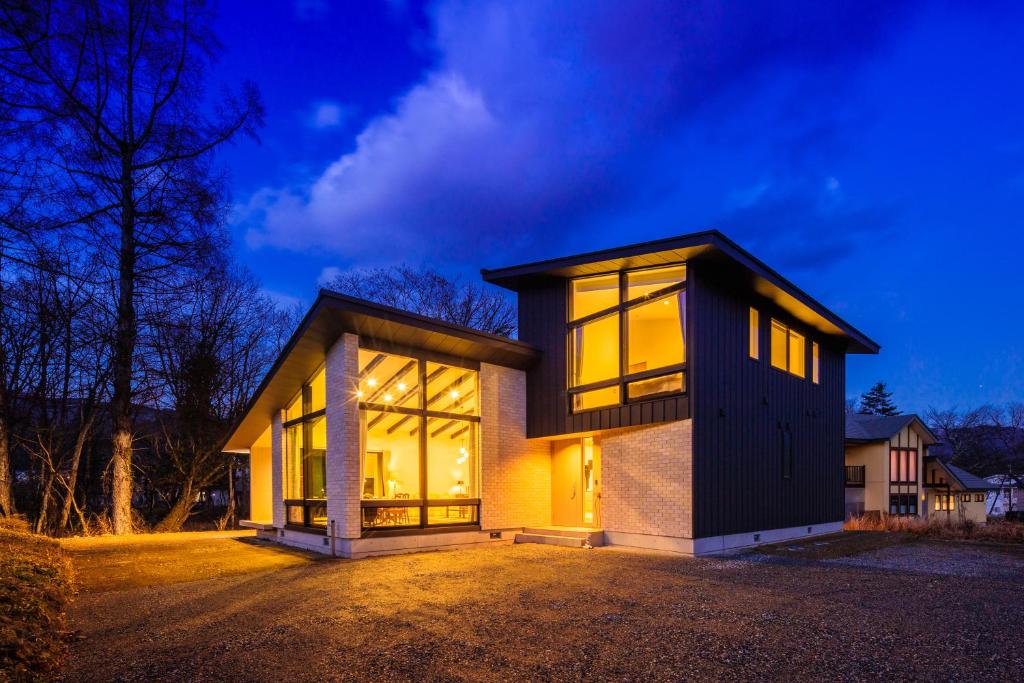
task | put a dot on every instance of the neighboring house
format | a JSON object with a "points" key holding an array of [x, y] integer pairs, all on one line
{"points": [[677, 395], [885, 464], [955, 493], [889, 470], [1005, 494]]}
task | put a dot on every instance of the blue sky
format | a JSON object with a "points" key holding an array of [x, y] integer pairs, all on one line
{"points": [[873, 152]]}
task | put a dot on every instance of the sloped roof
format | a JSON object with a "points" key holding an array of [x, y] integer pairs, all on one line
{"points": [[707, 245], [965, 480], [863, 428]]}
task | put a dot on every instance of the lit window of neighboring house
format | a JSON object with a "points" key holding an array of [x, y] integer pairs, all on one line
{"points": [[945, 502], [903, 465]]}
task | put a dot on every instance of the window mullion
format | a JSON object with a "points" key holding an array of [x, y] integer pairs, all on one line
{"points": [[423, 441]]}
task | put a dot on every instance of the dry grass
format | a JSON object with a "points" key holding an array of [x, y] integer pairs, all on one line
{"points": [[996, 531], [35, 587]]}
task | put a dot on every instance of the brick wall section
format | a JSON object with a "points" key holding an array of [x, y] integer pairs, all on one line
{"points": [[648, 483], [515, 471], [277, 469], [343, 486]]}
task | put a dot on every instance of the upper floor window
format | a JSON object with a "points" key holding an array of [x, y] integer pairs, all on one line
{"points": [[903, 465], [754, 333], [788, 350], [627, 336], [815, 363]]}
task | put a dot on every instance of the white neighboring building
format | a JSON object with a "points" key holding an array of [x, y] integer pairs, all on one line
{"points": [[1005, 496]]}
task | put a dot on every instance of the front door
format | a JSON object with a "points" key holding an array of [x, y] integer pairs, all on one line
{"points": [[575, 483]]}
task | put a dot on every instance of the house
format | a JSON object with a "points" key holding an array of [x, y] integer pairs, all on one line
{"points": [[1005, 494], [888, 470], [677, 395]]}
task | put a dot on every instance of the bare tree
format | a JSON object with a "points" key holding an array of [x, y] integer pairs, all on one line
{"points": [[114, 92], [213, 348], [430, 293]]}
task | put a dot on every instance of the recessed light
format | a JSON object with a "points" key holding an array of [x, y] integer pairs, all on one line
{"points": [[372, 382]]}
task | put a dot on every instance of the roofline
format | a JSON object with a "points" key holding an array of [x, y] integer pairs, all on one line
{"points": [[914, 417], [327, 296], [711, 237], [944, 466]]}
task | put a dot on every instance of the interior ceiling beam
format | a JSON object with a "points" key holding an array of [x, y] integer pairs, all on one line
{"points": [[393, 428], [402, 372], [374, 362], [444, 392], [459, 432], [443, 428], [455, 404]]}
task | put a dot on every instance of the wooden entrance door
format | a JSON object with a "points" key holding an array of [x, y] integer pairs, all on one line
{"points": [[567, 483]]}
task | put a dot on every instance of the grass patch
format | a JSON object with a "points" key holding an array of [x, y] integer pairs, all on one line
{"points": [[35, 587], [996, 531]]}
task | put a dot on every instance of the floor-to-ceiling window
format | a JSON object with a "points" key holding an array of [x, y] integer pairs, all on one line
{"points": [[305, 456], [419, 424], [627, 336]]}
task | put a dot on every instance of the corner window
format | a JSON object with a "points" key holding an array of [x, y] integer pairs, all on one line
{"points": [[419, 424], [305, 455], [788, 350], [755, 334], [626, 336]]}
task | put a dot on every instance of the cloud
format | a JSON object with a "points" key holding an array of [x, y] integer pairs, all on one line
{"points": [[538, 118], [328, 115]]}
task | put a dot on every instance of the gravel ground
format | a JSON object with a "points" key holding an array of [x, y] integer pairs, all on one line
{"points": [[974, 561], [538, 613]]}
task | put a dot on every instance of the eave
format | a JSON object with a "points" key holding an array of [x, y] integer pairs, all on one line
{"points": [[709, 245]]}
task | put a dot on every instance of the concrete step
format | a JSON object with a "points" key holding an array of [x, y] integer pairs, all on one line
{"points": [[595, 537], [546, 539]]}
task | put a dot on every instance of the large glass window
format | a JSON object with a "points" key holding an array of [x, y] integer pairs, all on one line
{"points": [[305, 455], [627, 336], [420, 448], [789, 349]]}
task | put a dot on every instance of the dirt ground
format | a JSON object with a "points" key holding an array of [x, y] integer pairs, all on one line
{"points": [[233, 609]]}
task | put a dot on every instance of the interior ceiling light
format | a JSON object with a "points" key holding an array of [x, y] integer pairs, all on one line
{"points": [[454, 393], [372, 381], [359, 393], [388, 398], [401, 386]]}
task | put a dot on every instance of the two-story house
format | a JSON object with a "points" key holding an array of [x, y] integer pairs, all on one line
{"points": [[677, 395], [889, 471]]}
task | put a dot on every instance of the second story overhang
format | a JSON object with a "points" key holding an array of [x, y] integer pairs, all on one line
{"points": [[708, 246]]}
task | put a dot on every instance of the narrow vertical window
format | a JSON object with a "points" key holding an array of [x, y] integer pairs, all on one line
{"points": [[755, 334], [815, 363], [779, 348], [797, 354]]}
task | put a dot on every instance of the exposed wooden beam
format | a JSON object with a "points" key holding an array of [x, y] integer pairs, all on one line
{"points": [[444, 392], [374, 362], [394, 427], [394, 379], [459, 432], [443, 428]]}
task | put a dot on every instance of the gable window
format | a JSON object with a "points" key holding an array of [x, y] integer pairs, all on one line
{"points": [[755, 334], [903, 465], [305, 455], [626, 336], [788, 350]]}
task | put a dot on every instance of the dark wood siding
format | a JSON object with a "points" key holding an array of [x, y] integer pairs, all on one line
{"points": [[742, 408], [542, 323]]}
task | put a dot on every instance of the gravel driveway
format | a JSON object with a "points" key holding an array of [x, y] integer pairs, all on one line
{"points": [[533, 612]]}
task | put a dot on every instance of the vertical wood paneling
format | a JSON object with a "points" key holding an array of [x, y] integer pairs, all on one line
{"points": [[740, 409]]}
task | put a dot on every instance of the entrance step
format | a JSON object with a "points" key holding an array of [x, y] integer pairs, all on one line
{"points": [[569, 537]]}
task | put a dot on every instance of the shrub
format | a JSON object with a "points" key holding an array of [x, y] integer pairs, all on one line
{"points": [[35, 586], [996, 530]]}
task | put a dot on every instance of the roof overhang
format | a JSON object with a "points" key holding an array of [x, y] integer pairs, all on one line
{"points": [[334, 314], [928, 437], [709, 245], [964, 486]]}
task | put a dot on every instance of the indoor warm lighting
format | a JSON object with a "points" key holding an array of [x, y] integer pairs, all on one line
{"points": [[359, 393], [372, 382], [454, 393], [388, 398], [401, 386]]}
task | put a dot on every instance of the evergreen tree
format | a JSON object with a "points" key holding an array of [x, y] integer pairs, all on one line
{"points": [[877, 401]]}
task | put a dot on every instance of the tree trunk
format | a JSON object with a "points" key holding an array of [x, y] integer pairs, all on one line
{"points": [[180, 511], [6, 500], [229, 514], [44, 504], [123, 362], [76, 459]]}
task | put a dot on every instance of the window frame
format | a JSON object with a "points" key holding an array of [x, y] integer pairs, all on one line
{"points": [[421, 413], [304, 422], [905, 455], [621, 309]]}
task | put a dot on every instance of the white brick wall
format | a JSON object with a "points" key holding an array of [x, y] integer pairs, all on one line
{"points": [[342, 415], [277, 469], [648, 487], [515, 471]]}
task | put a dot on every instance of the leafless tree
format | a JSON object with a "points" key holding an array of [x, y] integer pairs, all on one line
{"points": [[430, 293], [113, 92]]}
